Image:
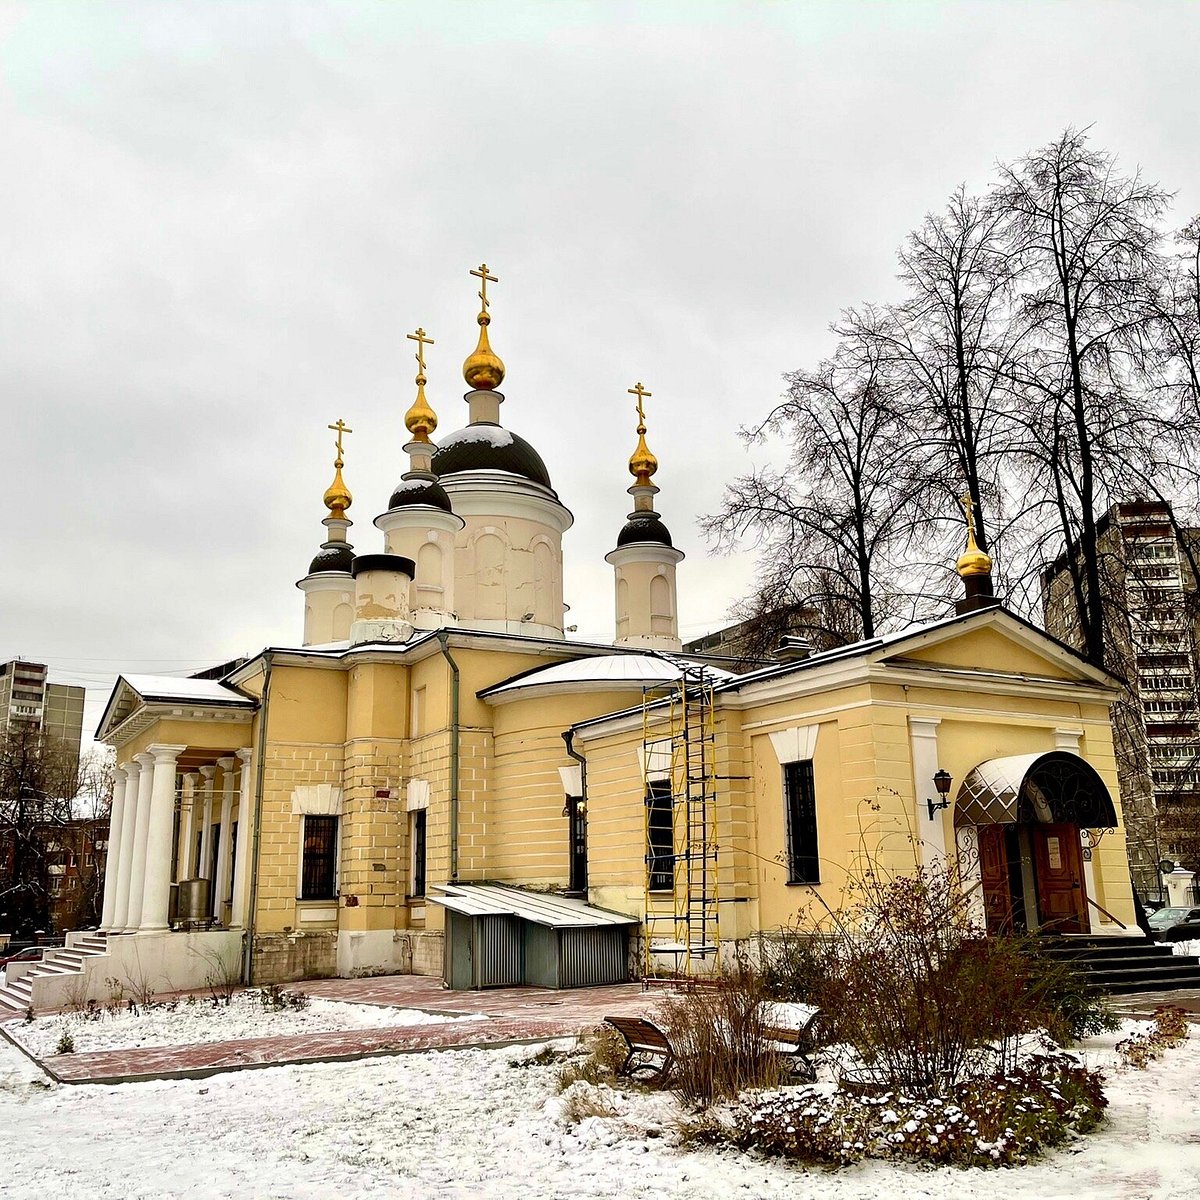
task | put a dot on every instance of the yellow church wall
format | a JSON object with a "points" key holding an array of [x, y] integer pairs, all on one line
{"points": [[307, 705], [528, 796]]}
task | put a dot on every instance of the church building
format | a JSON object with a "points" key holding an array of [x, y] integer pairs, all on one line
{"points": [[435, 778]]}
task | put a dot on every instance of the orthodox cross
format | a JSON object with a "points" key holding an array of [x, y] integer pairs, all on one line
{"points": [[484, 279], [422, 341], [968, 507], [340, 428], [641, 393]]}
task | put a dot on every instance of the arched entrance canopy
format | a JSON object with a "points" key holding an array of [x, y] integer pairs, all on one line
{"points": [[1054, 787]]}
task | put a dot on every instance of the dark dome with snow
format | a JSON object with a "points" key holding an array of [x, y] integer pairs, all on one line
{"points": [[485, 446], [420, 490], [644, 527], [337, 556]]}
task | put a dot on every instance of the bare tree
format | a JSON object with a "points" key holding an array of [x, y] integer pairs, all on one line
{"points": [[829, 524], [1087, 238], [37, 782], [950, 341]]}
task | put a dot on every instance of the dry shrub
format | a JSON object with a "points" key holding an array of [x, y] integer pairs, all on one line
{"points": [[582, 1100], [1001, 1120], [719, 1036], [599, 1056], [904, 975], [1170, 1029]]}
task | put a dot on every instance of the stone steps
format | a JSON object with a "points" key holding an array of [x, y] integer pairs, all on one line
{"points": [[17, 996], [1126, 965]]}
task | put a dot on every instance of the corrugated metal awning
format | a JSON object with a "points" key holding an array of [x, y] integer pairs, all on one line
{"points": [[541, 908]]}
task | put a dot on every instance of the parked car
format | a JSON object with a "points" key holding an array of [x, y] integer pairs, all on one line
{"points": [[1175, 923], [26, 954]]}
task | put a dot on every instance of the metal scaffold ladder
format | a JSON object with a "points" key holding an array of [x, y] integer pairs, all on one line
{"points": [[681, 850]]}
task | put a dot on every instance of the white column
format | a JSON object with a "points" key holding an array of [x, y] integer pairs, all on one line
{"points": [[137, 866], [922, 733], [157, 892], [120, 914], [205, 870], [225, 846], [241, 863], [112, 858], [187, 812]]}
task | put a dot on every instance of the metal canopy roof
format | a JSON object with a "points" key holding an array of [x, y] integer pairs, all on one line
{"points": [[541, 908], [1051, 786]]}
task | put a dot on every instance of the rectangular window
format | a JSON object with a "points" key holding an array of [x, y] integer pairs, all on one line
{"points": [[660, 850], [800, 798], [318, 875], [417, 826]]}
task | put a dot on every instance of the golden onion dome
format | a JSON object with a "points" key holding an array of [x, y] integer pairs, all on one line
{"points": [[420, 419], [642, 464], [337, 496], [483, 370], [972, 561]]}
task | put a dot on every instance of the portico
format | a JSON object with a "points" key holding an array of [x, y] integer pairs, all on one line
{"points": [[180, 802]]}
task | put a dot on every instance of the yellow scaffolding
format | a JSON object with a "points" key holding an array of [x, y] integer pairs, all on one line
{"points": [[681, 849]]}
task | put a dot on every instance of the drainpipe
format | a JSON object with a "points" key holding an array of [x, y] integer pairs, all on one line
{"points": [[569, 737], [443, 637], [259, 775]]}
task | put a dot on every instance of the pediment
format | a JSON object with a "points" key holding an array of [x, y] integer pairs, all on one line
{"points": [[994, 642]]}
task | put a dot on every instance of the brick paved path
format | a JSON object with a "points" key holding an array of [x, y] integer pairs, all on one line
{"points": [[507, 1016]]}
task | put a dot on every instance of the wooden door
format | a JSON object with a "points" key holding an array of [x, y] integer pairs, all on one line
{"points": [[1058, 865], [993, 870]]}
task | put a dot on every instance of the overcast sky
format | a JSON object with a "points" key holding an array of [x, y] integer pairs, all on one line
{"points": [[220, 220]]}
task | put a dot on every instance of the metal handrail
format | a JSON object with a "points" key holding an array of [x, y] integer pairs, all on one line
{"points": [[1107, 913]]}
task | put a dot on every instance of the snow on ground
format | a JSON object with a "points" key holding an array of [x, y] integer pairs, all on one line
{"points": [[179, 1022], [1192, 947], [468, 1124]]}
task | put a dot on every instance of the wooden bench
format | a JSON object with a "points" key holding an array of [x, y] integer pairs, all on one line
{"points": [[797, 1041], [645, 1041]]}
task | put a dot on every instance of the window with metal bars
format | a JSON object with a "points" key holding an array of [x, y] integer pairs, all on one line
{"points": [[660, 849], [318, 875], [417, 826], [799, 793]]}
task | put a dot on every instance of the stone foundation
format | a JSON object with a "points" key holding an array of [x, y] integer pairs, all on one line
{"points": [[290, 957]]}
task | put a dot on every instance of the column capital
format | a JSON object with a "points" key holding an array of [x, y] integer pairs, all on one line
{"points": [[131, 770], [190, 777], [924, 726], [244, 753], [208, 771], [144, 760], [226, 763], [165, 753]]}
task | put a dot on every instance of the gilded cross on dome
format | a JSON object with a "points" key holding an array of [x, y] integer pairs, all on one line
{"points": [[422, 341], [642, 464], [484, 279], [340, 428], [641, 394], [337, 496]]}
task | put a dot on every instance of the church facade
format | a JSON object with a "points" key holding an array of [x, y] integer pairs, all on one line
{"points": [[435, 779]]}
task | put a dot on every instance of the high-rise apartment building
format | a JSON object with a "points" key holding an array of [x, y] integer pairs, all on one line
{"points": [[54, 708], [1151, 637]]}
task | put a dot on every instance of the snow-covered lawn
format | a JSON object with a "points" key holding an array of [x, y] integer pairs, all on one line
{"points": [[467, 1123], [181, 1022]]}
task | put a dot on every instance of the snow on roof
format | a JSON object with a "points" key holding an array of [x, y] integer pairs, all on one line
{"points": [[196, 691], [620, 670], [542, 908], [494, 435]]}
